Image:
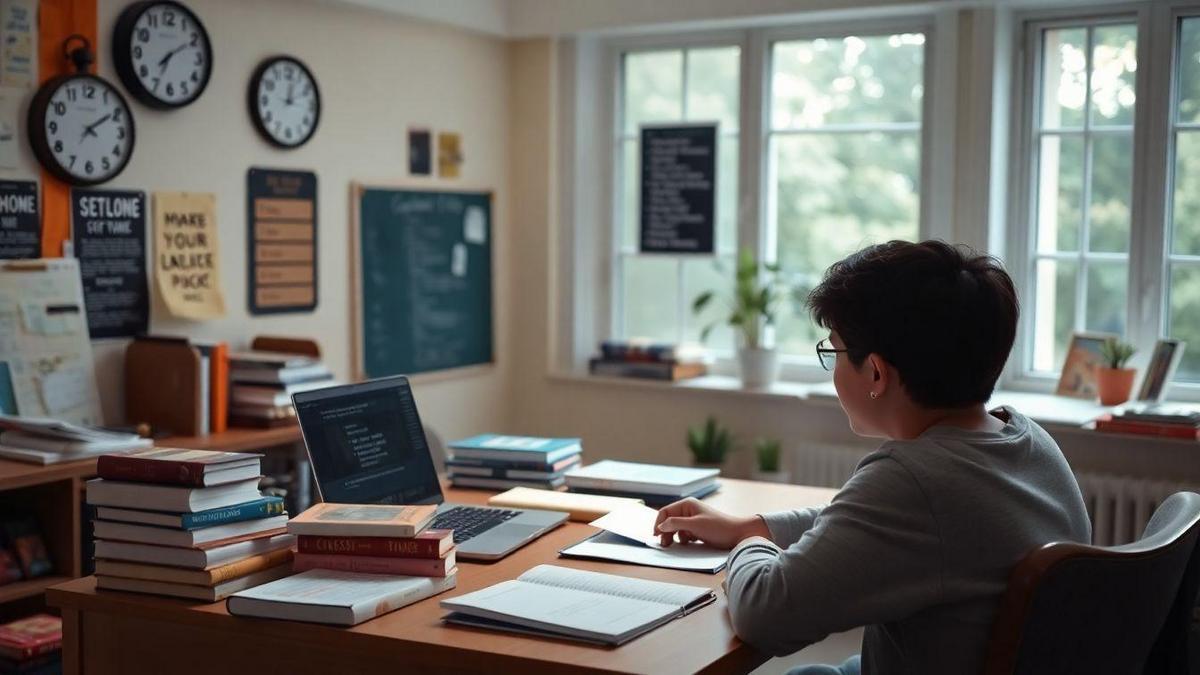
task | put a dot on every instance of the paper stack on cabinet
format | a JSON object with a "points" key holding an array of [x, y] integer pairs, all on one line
{"points": [[186, 523], [497, 462], [356, 562], [48, 441]]}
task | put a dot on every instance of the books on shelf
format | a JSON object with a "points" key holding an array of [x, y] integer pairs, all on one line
{"points": [[186, 523], [158, 497], [637, 478], [31, 638], [334, 597], [177, 466], [577, 604], [26, 546], [363, 520], [498, 462], [45, 441], [263, 383]]}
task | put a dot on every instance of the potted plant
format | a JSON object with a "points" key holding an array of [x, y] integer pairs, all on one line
{"points": [[1114, 381], [709, 444], [756, 294], [768, 453]]}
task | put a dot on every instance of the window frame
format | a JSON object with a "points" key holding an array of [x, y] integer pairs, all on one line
{"points": [[754, 220], [1147, 311]]}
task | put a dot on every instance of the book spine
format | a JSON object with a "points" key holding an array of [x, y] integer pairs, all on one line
{"points": [[28, 652], [1146, 429], [418, 567], [232, 514], [383, 547], [137, 470]]}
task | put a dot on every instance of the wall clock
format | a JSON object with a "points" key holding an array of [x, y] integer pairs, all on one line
{"points": [[162, 53], [285, 103], [79, 125]]}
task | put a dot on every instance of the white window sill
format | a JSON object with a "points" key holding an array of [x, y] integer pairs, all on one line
{"points": [[1058, 412]]}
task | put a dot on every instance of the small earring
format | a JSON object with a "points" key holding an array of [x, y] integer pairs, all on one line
{"points": [[874, 395]]}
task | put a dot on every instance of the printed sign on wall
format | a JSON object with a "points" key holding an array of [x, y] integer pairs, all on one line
{"points": [[679, 187], [109, 233], [282, 241], [187, 263], [20, 226]]}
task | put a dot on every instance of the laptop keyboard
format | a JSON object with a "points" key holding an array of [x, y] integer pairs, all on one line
{"points": [[469, 521]]}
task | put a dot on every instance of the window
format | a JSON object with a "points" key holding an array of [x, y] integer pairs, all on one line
{"points": [[1081, 159], [653, 293], [1183, 264], [845, 156], [842, 128]]}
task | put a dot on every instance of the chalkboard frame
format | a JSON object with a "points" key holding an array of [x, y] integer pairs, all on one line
{"points": [[357, 331]]}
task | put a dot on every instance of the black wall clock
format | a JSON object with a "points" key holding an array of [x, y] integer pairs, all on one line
{"points": [[285, 103], [79, 125], [162, 53]]}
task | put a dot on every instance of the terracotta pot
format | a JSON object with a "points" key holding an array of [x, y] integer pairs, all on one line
{"points": [[1114, 384]]}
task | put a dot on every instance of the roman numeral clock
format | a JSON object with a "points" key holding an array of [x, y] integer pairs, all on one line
{"points": [[79, 125]]}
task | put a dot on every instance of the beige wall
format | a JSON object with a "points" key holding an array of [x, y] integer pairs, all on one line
{"points": [[378, 74]]}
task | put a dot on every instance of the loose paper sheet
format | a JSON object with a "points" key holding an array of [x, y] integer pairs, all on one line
{"points": [[634, 522], [187, 262]]}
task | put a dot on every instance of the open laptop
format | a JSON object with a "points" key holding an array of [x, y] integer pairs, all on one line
{"points": [[367, 446]]}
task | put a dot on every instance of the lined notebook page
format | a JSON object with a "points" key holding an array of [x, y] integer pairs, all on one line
{"points": [[675, 595]]}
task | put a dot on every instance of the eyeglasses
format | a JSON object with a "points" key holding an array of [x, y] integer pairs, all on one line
{"points": [[827, 355]]}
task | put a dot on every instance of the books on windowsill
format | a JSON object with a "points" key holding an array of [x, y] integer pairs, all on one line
{"points": [[497, 462], [1125, 425], [648, 360], [186, 523]]}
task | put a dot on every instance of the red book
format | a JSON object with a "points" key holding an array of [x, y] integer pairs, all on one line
{"points": [[427, 544], [32, 636], [177, 466], [413, 567], [1108, 424]]}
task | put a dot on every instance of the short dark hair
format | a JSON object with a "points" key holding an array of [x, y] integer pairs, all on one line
{"points": [[944, 316]]}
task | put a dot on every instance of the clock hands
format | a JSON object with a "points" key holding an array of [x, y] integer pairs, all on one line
{"points": [[90, 130], [289, 100], [162, 63]]}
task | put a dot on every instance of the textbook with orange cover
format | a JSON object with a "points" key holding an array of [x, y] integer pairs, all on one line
{"points": [[363, 520]]}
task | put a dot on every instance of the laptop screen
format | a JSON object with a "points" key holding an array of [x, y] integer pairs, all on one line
{"points": [[367, 445]]}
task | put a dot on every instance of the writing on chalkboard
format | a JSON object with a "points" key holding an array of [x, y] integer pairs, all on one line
{"points": [[425, 280], [679, 169]]}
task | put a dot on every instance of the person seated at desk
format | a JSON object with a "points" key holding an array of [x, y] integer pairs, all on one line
{"points": [[918, 544]]}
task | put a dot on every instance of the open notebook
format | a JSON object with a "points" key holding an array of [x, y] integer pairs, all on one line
{"points": [[569, 603]]}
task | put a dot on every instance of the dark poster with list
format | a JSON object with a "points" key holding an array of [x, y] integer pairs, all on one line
{"points": [[108, 228], [20, 224], [678, 188]]}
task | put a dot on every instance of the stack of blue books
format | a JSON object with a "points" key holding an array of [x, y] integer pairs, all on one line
{"points": [[498, 462]]}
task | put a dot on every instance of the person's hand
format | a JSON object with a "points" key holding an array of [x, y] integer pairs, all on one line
{"points": [[692, 520]]}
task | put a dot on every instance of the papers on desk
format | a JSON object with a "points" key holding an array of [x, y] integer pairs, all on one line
{"points": [[629, 537]]}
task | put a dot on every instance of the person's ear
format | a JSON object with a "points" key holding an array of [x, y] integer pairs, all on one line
{"points": [[879, 374]]}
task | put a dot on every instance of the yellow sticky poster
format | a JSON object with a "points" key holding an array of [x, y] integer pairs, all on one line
{"points": [[187, 263], [450, 157]]}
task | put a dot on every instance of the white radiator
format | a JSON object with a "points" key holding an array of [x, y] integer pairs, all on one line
{"points": [[1119, 506]]}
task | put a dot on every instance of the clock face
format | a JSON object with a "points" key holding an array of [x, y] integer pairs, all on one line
{"points": [[81, 129], [162, 53], [285, 102]]}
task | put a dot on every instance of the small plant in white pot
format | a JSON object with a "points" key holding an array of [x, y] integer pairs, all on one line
{"points": [[757, 291], [709, 444], [768, 453]]}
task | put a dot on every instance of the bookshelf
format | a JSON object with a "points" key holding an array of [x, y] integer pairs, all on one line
{"points": [[54, 494]]}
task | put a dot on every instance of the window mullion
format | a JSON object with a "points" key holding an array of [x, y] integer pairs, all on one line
{"points": [[1086, 198], [753, 102]]}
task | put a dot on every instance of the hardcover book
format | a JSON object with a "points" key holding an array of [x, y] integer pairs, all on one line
{"points": [[413, 567], [259, 508], [675, 481], [516, 448], [205, 537], [427, 544], [192, 558], [208, 577], [213, 593], [102, 492], [178, 466], [31, 636], [339, 598], [363, 520]]}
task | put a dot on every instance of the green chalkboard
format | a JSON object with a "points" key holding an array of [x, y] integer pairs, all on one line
{"points": [[424, 280]]}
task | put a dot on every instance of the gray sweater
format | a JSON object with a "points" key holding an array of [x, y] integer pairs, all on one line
{"points": [[917, 547]]}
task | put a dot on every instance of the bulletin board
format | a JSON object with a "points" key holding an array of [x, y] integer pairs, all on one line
{"points": [[422, 280]]}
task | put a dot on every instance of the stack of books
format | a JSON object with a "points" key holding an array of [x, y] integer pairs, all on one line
{"points": [[497, 462], [32, 645], [648, 360], [356, 562], [186, 523], [46, 441], [263, 384], [1153, 420], [655, 484]]}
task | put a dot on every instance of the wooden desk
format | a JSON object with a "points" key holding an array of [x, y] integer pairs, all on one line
{"points": [[111, 632]]}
